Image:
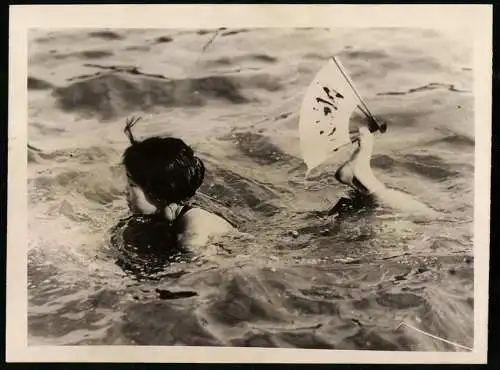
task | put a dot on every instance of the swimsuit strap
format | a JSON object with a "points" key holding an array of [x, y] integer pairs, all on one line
{"points": [[176, 223], [183, 211]]}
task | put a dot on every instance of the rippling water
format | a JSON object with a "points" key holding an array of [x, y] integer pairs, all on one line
{"points": [[294, 277]]}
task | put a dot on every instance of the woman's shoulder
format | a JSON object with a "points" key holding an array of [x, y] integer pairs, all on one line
{"points": [[200, 225], [202, 218]]}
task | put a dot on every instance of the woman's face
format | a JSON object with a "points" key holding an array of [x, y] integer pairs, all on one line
{"points": [[137, 200]]}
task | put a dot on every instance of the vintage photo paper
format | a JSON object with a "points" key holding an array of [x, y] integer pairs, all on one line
{"points": [[249, 183]]}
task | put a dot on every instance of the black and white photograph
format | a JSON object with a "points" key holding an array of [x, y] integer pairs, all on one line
{"points": [[300, 187]]}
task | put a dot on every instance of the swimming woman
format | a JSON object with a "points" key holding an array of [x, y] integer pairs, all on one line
{"points": [[163, 174], [357, 173]]}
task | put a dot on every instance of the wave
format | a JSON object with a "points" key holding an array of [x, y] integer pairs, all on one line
{"points": [[163, 39], [84, 155], [115, 94], [457, 141], [261, 150], [364, 54], [428, 166], [229, 61], [106, 35], [236, 191], [98, 186], [178, 326], [235, 32], [140, 48], [92, 54], [38, 84], [431, 86]]}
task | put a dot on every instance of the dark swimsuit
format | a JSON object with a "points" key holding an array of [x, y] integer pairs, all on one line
{"points": [[152, 233], [146, 244]]}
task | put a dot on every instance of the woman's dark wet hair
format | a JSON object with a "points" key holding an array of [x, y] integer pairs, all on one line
{"points": [[164, 167]]}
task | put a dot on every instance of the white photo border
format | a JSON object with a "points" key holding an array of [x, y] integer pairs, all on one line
{"points": [[467, 20]]}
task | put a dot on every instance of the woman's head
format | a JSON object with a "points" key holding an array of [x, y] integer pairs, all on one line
{"points": [[165, 169]]}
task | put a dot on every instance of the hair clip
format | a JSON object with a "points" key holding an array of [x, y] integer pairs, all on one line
{"points": [[129, 123]]}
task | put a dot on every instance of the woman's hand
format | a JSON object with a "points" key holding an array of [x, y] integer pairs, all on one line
{"points": [[172, 211]]}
